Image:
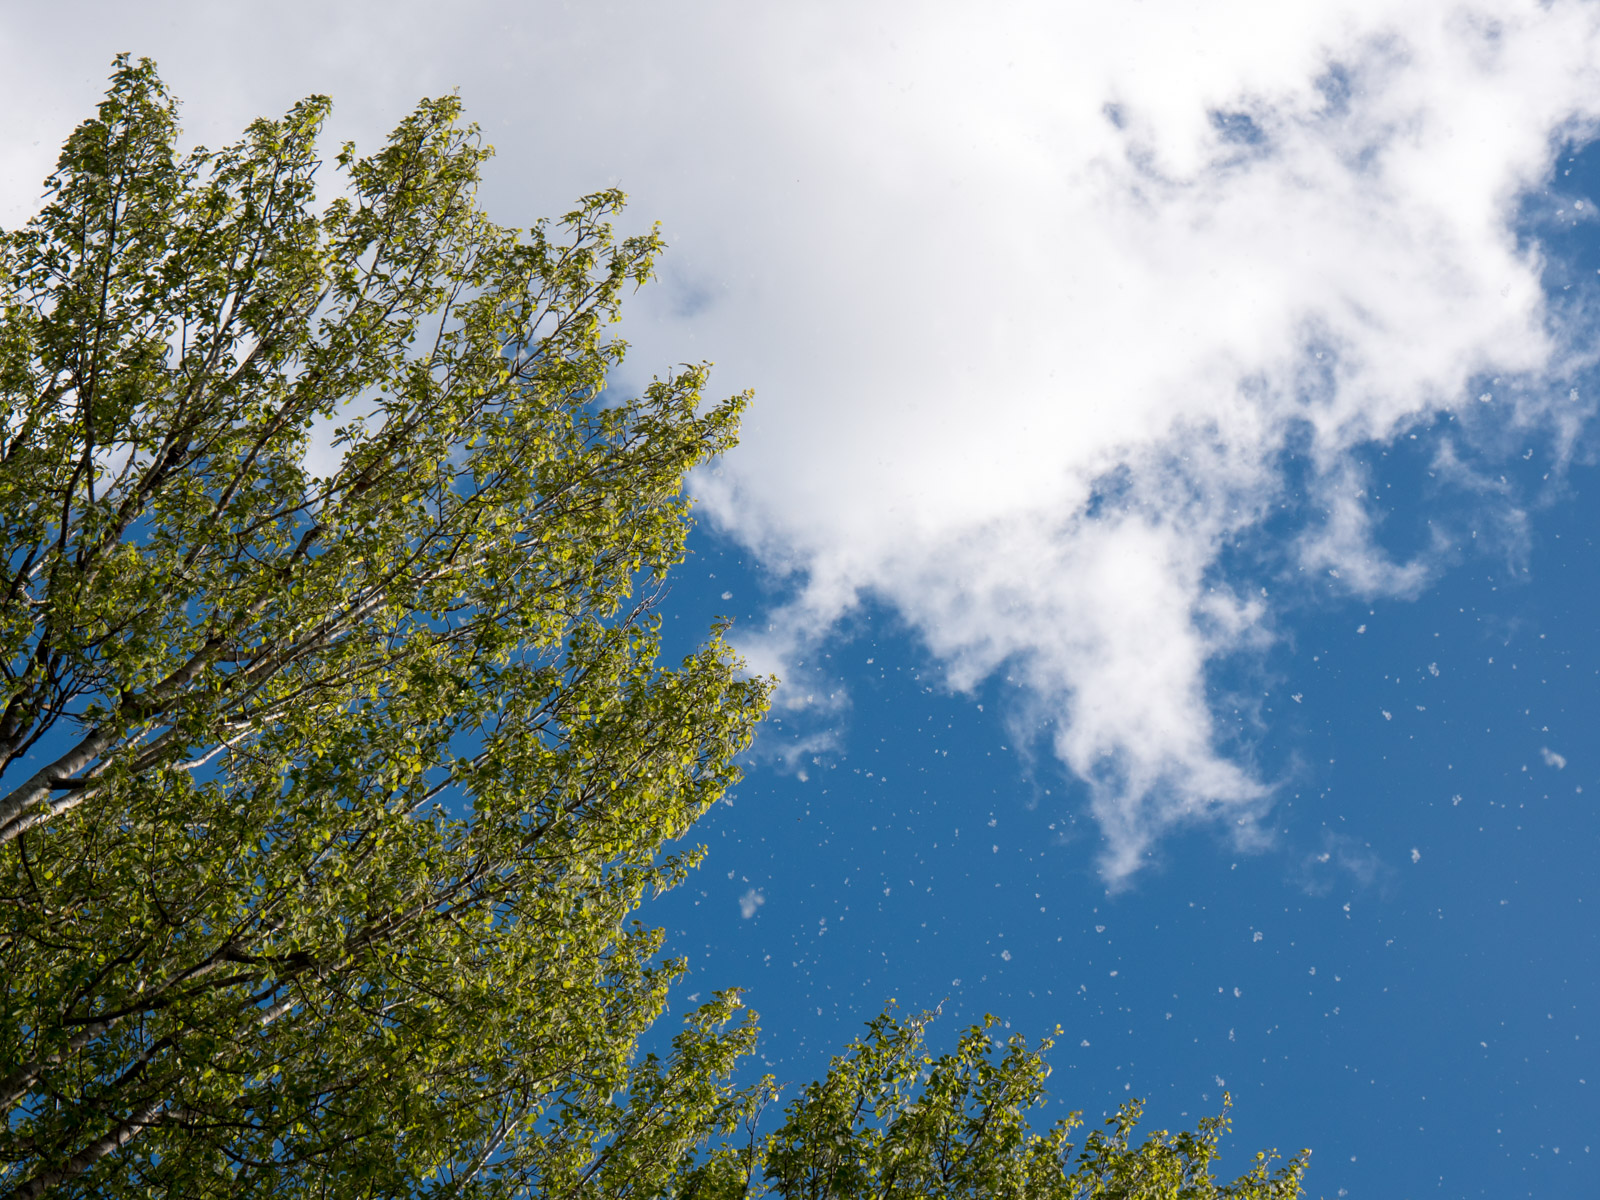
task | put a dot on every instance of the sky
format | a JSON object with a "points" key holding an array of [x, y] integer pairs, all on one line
{"points": [[1169, 501]]}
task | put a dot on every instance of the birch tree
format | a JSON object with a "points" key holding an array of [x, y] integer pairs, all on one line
{"points": [[328, 795]]}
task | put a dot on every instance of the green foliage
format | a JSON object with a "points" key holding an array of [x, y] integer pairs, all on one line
{"points": [[331, 789], [891, 1122], [332, 795]]}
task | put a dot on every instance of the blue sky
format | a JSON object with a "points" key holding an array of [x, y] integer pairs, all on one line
{"points": [[1427, 1026], [1170, 501]]}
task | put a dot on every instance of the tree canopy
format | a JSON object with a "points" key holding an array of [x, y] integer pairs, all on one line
{"points": [[892, 1122], [336, 758]]}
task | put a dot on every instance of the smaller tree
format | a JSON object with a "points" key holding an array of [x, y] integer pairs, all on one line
{"points": [[890, 1122]]}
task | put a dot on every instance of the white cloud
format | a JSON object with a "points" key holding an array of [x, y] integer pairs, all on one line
{"points": [[795, 754], [1087, 389], [1036, 298]]}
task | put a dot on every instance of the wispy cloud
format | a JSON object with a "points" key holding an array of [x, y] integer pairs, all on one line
{"points": [[1344, 862]]}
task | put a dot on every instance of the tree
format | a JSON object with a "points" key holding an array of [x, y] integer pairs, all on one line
{"points": [[335, 758], [329, 796], [891, 1122]]}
